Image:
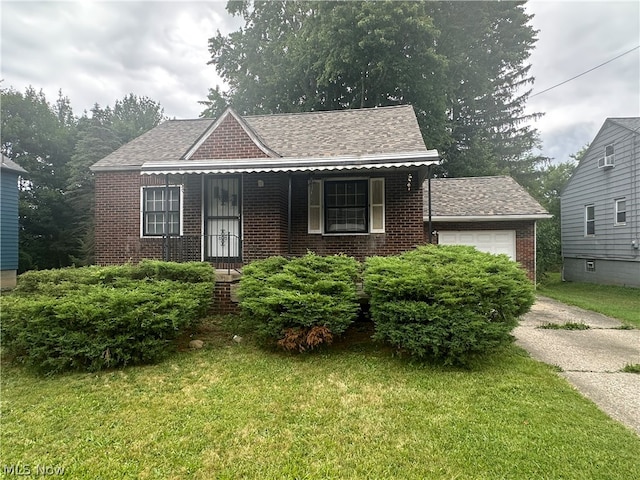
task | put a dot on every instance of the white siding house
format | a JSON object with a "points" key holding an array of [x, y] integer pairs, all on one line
{"points": [[600, 209]]}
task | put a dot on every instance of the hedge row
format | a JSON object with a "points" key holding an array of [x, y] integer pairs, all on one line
{"points": [[99, 317], [450, 303]]}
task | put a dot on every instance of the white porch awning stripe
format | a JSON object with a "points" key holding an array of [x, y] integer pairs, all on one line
{"points": [[268, 165]]}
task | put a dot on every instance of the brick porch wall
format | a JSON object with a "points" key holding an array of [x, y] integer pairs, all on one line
{"points": [[117, 230], [264, 215], [403, 222], [525, 238], [265, 223]]}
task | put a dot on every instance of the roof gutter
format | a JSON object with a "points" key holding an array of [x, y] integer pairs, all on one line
{"points": [[488, 218]]}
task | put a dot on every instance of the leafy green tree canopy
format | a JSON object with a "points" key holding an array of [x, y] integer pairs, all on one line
{"points": [[57, 149], [462, 65]]}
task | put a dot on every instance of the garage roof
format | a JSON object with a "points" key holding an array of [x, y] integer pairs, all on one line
{"points": [[480, 199]]}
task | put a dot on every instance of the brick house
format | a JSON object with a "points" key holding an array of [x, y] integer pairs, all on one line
{"points": [[242, 188], [245, 188]]}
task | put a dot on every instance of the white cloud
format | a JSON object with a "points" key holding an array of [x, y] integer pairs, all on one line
{"points": [[98, 52], [101, 51], [573, 38]]}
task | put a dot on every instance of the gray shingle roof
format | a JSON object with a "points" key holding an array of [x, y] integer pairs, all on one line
{"points": [[480, 197], [10, 165], [341, 133], [168, 141]]}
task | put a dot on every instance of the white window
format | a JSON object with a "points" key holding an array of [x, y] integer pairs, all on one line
{"points": [[154, 210], [621, 211], [589, 220], [346, 206], [590, 265], [609, 157]]}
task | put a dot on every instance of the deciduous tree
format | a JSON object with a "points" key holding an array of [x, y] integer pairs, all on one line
{"points": [[462, 65]]}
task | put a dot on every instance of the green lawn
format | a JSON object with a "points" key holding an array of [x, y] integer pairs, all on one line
{"points": [[235, 411], [618, 302]]}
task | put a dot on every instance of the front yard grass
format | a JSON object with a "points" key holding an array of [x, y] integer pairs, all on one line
{"points": [[622, 303], [235, 411]]}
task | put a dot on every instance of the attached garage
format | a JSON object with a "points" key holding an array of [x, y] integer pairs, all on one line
{"points": [[493, 214], [490, 241]]}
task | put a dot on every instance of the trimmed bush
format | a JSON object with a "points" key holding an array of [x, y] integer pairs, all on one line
{"points": [[286, 301], [92, 318], [450, 303]]}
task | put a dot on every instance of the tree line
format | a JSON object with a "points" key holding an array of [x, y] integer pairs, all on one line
{"points": [[56, 148]]}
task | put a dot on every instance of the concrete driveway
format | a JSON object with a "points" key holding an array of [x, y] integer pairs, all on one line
{"points": [[589, 359]]}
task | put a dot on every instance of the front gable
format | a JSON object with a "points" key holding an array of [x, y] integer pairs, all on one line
{"points": [[229, 138]]}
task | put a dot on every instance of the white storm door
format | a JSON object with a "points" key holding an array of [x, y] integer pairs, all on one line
{"points": [[222, 199]]}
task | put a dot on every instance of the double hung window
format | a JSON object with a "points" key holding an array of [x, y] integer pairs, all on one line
{"points": [[352, 206], [621, 211], [589, 220], [160, 209]]}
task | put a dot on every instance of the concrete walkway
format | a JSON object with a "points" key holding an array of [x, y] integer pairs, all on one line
{"points": [[589, 359]]}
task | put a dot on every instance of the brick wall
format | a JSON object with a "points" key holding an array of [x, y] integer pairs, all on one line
{"points": [[117, 230], [264, 215], [525, 238], [266, 228], [228, 141]]}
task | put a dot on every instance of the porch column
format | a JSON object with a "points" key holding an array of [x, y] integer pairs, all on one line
{"points": [[429, 225], [289, 218]]}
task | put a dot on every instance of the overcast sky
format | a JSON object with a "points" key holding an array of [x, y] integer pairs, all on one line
{"points": [[98, 52]]}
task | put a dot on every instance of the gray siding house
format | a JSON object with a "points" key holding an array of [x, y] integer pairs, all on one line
{"points": [[600, 209]]}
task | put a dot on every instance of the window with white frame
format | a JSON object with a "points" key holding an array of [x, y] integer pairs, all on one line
{"points": [[590, 265], [609, 157], [155, 210], [346, 206], [621, 211], [589, 220]]}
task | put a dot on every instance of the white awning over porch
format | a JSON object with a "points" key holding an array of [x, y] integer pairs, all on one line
{"points": [[268, 165]]}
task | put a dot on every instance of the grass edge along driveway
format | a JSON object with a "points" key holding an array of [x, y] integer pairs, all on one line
{"points": [[614, 301]]}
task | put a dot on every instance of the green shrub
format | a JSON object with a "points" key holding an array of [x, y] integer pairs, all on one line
{"points": [[446, 302], [99, 317], [287, 300]]}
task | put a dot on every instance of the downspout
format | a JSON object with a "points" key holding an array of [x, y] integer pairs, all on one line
{"points": [[429, 224], [289, 218], [167, 254]]}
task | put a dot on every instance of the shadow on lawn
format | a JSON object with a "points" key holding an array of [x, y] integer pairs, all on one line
{"points": [[218, 332]]}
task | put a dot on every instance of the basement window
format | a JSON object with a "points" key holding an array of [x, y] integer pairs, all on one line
{"points": [[590, 265]]}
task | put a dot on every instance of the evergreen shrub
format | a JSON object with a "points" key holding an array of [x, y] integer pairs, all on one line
{"points": [[449, 303], [92, 318], [301, 303]]}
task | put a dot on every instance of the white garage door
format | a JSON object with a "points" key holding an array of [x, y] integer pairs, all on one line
{"points": [[491, 241]]}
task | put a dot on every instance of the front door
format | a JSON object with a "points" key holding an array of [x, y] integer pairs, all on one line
{"points": [[222, 197]]}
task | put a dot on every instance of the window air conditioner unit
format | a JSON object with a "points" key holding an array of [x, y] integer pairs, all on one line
{"points": [[607, 161]]}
